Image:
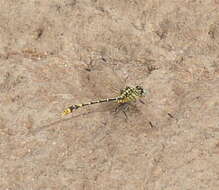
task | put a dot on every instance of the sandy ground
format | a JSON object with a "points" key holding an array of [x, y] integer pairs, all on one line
{"points": [[57, 53]]}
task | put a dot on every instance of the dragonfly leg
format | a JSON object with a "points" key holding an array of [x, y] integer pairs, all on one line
{"points": [[122, 107]]}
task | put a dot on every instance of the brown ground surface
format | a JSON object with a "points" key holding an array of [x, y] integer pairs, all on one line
{"points": [[57, 53]]}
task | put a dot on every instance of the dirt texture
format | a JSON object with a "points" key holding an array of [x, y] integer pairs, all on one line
{"points": [[57, 53]]}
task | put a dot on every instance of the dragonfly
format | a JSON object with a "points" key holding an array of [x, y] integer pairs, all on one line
{"points": [[128, 94]]}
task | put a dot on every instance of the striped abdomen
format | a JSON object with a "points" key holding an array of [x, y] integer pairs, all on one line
{"points": [[76, 106]]}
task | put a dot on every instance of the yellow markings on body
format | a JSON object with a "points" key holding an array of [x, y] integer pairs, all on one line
{"points": [[66, 111]]}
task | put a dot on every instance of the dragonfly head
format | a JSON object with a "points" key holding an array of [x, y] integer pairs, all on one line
{"points": [[141, 91]]}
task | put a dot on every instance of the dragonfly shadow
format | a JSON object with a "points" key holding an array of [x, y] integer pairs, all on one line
{"points": [[49, 125]]}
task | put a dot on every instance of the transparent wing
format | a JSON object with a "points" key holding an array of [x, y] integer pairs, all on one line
{"points": [[102, 81]]}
